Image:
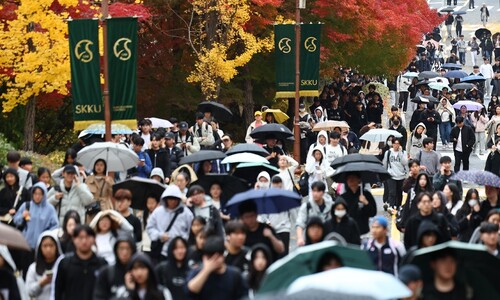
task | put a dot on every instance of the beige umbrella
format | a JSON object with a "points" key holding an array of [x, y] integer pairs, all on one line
{"points": [[330, 125], [186, 169], [12, 238]]}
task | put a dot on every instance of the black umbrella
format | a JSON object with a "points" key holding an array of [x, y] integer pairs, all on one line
{"points": [[250, 171], [369, 172], [230, 185], [421, 49], [219, 111], [202, 156], [278, 131], [247, 148], [355, 157], [424, 99], [463, 86], [447, 9], [141, 189], [427, 75], [436, 36], [481, 33]]}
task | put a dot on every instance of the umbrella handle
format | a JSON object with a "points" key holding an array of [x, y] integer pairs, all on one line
{"points": [[361, 188]]}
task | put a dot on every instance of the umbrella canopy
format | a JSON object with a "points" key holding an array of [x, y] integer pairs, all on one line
{"points": [[271, 201], [439, 86], [100, 128], [202, 156], [141, 189], [471, 105], [244, 157], [424, 99], [160, 123], [481, 33], [379, 88], [278, 131], [463, 86], [230, 185], [451, 66], [436, 36], [330, 125], [427, 75], [12, 238], [250, 171], [410, 75], [455, 74], [447, 9], [475, 266], [304, 261], [310, 294], [247, 148], [279, 116], [376, 284], [459, 12], [118, 157], [479, 177], [186, 169], [379, 135], [423, 82], [219, 111], [439, 79], [473, 78], [355, 157], [369, 172]]}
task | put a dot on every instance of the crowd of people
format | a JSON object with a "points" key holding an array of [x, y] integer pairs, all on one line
{"points": [[88, 243]]}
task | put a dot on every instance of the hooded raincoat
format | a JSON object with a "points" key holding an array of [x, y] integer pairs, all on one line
{"points": [[415, 143], [318, 170]]}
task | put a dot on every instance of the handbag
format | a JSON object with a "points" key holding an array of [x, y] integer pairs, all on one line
{"points": [[296, 187], [157, 246], [95, 207]]}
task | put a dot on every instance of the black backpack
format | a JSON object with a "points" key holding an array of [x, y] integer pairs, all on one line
{"points": [[304, 184]]}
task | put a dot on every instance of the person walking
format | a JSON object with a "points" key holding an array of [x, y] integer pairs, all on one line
{"points": [[396, 162], [342, 223], [449, 22], [461, 43], [474, 49], [485, 14], [479, 120], [431, 119], [487, 71], [447, 113], [463, 139]]}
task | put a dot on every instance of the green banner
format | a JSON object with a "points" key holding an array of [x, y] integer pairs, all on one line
{"points": [[85, 82], [122, 68], [284, 43]]}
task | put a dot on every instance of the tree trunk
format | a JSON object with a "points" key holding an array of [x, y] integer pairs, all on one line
{"points": [[29, 124], [248, 103]]}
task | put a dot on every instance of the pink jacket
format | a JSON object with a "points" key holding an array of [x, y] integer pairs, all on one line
{"points": [[479, 123]]}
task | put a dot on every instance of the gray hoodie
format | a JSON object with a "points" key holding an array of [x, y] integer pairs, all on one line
{"points": [[414, 143], [77, 198], [310, 209], [396, 164]]}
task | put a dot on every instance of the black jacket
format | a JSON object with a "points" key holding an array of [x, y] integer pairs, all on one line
{"points": [[466, 226], [468, 138], [493, 163], [172, 276], [8, 194], [412, 226], [431, 126], [76, 277], [174, 155], [363, 214], [404, 134], [415, 119], [374, 111], [347, 228], [160, 159]]}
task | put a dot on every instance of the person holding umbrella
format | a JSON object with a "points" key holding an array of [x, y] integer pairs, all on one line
{"points": [[431, 119], [493, 161], [463, 139]]}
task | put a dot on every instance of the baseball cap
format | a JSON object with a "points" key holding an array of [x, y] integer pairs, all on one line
{"points": [[302, 105], [69, 169], [183, 125], [409, 273], [169, 135], [258, 113]]}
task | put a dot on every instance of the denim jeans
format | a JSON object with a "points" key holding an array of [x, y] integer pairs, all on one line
{"points": [[444, 132]]}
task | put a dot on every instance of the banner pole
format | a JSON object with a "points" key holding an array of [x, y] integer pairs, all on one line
{"points": [[107, 106], [296, 131]]}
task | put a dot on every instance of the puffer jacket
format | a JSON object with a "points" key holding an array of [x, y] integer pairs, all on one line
{"points": [[415, 144]]}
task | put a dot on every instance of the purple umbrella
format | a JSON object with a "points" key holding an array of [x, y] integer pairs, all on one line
{"points": [[479, 177]]}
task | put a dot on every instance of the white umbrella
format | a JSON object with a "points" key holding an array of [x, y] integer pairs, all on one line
{"points": [[471, 105], [354, 282], [243, 158], [330, 125], [379, 135], [439, 86], [439, 79], [117, 156], [160, 123], [410, 75]]}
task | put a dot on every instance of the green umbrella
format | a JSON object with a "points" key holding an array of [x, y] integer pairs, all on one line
{"points": [[475, 266], [304, 261]]}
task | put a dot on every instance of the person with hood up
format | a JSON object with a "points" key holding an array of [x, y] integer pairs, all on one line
{"points": [[111, 280], [315, 230], [342, 223], [318, 115], [358, 118], [172, 273], [108, 224], [39, 276], [170, 220], [360, 204], [70, 194], [11, 285], [428, 235], [318, 168], [8, 195], [321, 140], [141, 282], [260, 260], [447, 113], [36, 216]]}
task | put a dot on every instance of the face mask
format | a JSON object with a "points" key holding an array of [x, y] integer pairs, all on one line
{"points": [[389, 143], [302, 109], [472, 202], [263, 185], [340, 213], [396, 123]]}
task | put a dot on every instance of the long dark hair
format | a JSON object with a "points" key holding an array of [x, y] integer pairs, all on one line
{"points": [[466, 209], [152, 291], [428, 187], [255, 277], [69, 153], [41, 264], [70, 214], [171, 248], [456, 193], [105, 166]]}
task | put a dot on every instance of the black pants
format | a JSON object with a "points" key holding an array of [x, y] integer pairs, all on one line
{"points": [[471, 4], [304, 148], [403, 100], [395, 190], [285, 238], [461, 157]]}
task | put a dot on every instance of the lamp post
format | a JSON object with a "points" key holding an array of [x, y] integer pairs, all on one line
{"points": [[296, 132], [107, 106]]}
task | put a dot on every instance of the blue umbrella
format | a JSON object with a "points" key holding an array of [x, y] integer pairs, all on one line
{"points": [[479, 177], [473, 78], [100, 128], [451, 66], [269, 201], [455, 74]]}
